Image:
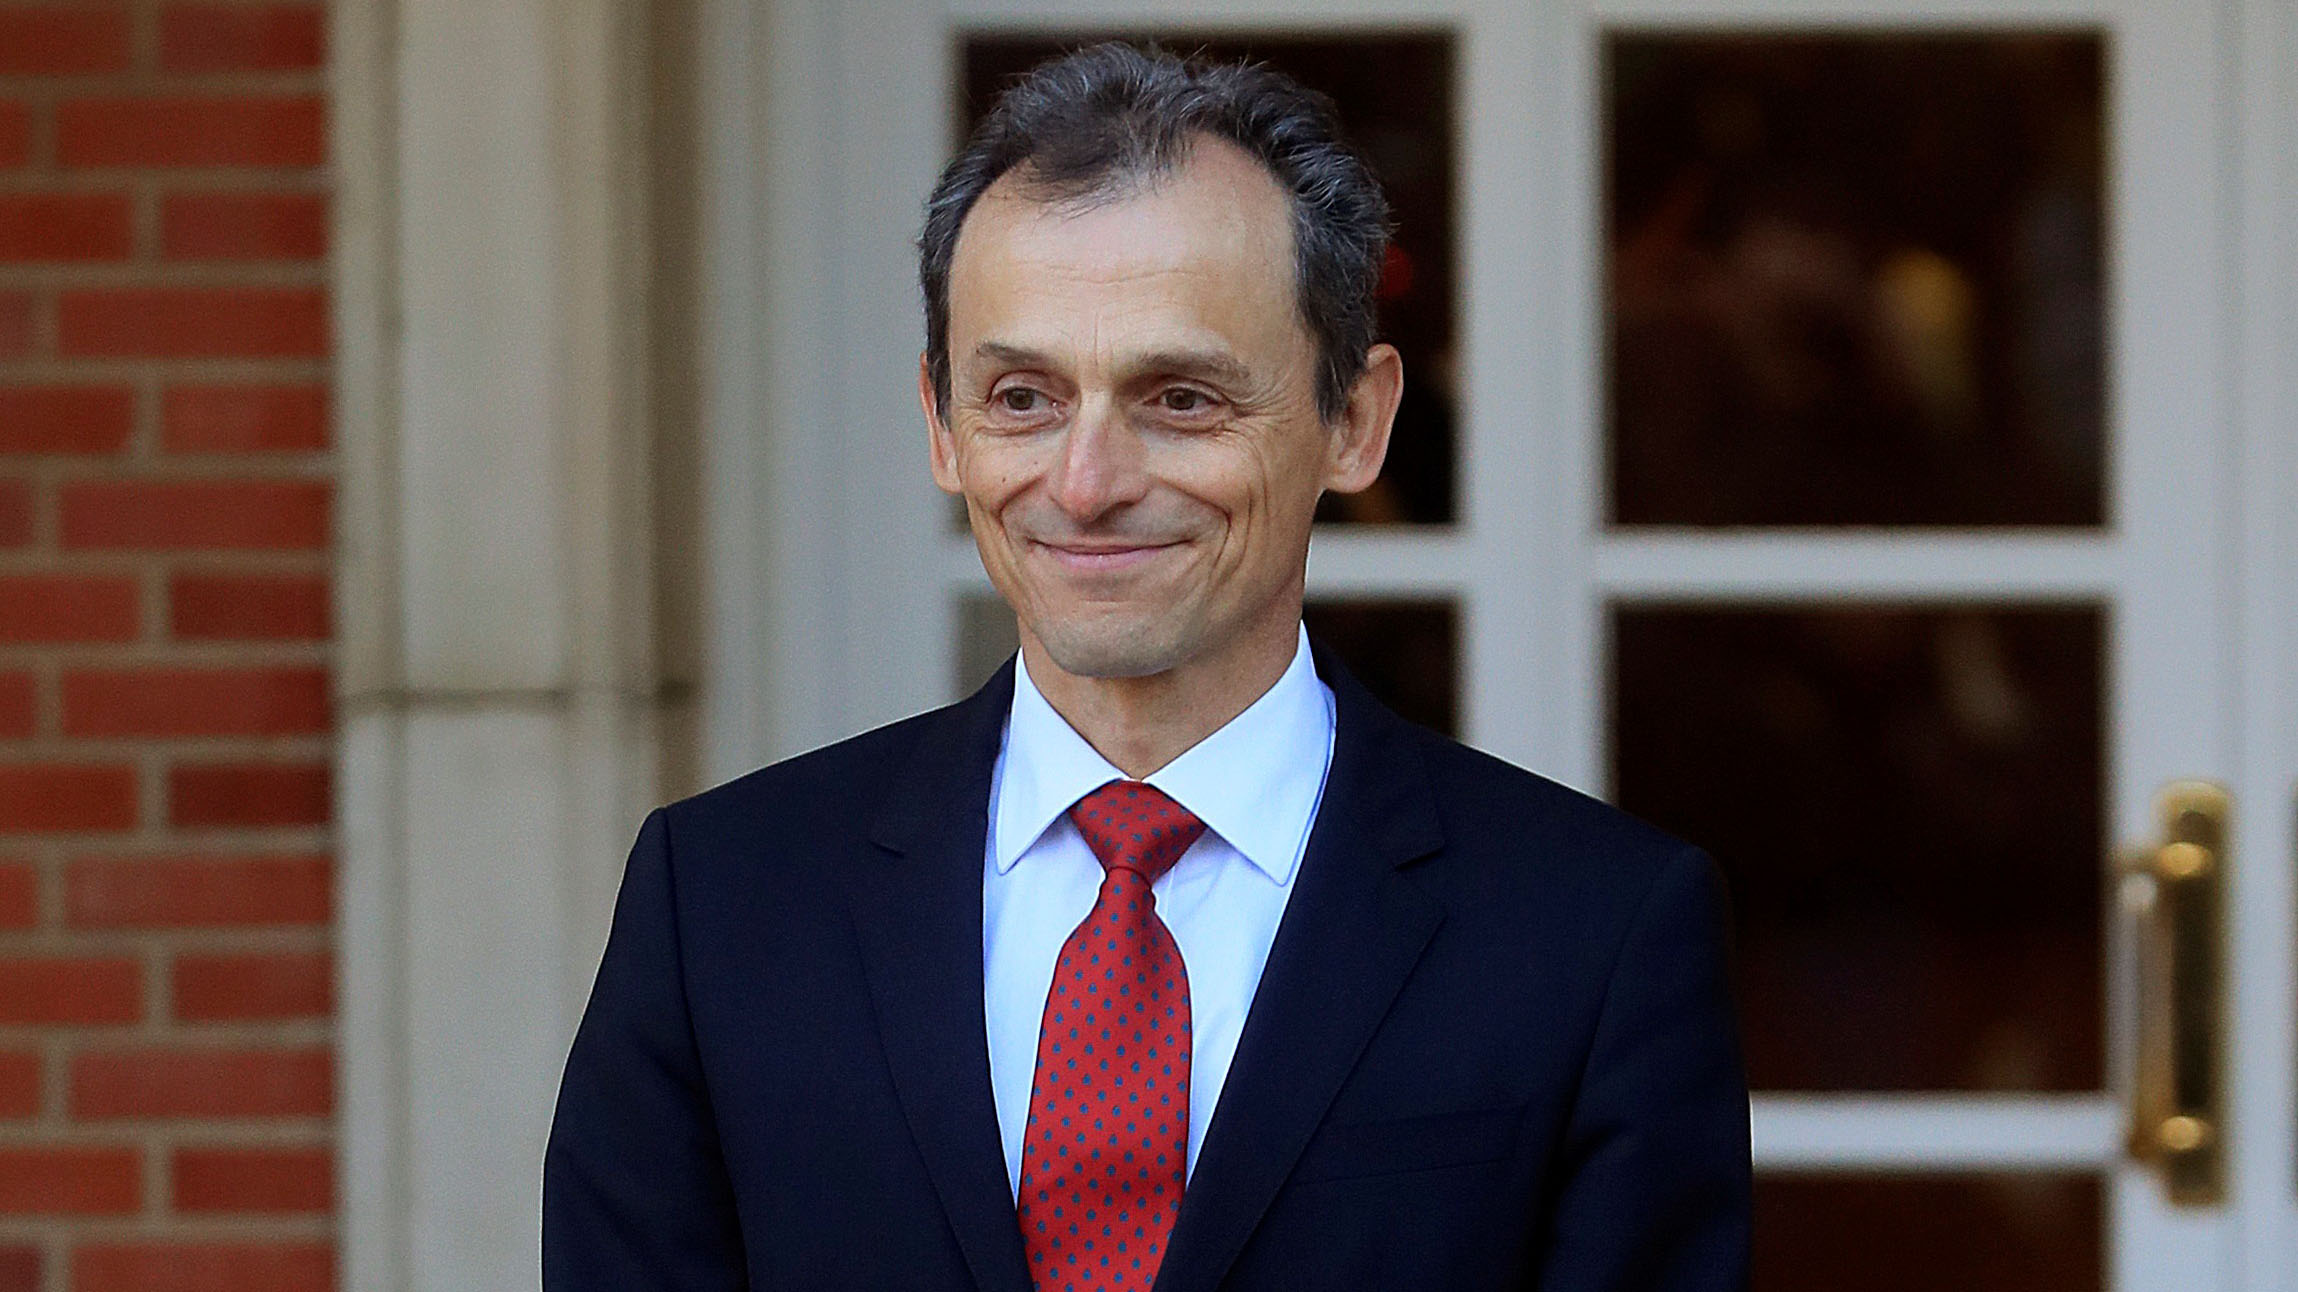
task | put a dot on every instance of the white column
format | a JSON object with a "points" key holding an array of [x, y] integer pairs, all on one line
{"points": [[499, 686]]}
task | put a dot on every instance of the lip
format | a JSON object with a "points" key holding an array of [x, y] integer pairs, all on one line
{"points": [[1098, 558]]}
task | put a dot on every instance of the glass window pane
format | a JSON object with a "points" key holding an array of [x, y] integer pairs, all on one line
{"points": [[1907, 803], [1405, 652], [1970, 1233], [1855, 279], [1394, 93]]}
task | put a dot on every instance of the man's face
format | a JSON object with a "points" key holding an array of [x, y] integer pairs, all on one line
{"points": [[1132, 417]]}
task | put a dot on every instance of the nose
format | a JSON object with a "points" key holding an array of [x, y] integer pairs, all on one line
{"points": [[1101, 467]]}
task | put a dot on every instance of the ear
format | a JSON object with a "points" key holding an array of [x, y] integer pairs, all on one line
{"points": [[1358, 440], [941, 446]]}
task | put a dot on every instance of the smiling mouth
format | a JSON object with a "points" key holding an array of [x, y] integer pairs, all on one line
{"points": [[1099, 558]]}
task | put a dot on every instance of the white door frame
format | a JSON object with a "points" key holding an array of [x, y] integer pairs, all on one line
{"points": [[2262, 110], [833, 579]]}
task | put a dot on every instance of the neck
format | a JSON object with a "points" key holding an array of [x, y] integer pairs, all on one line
{"points": [[1142, 723]]}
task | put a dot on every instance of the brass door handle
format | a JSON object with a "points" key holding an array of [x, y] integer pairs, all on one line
{"points": [[2176, 892]]}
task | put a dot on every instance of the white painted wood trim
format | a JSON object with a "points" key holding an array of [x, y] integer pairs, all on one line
{"points": [[1525, 468], [1936, 1133], [2171, 442], [2264, 1009], [1683, 15], [1835, 566]]}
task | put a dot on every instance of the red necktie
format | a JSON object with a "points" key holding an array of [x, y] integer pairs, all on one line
{"points": [[1108, 1139]]}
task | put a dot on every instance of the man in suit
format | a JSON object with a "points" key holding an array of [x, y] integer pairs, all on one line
{"points": [[1170, 958]]}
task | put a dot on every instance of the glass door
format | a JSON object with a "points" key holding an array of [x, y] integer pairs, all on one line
{"points": [[1816, 444], [1896, 584]]}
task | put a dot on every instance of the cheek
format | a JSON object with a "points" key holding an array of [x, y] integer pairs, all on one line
{"points": [[1264, 487], [993, 469], [1287, 474]]}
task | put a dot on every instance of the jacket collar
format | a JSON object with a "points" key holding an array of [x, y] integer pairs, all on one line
{"points": [[1255, 782], [1351, 933]]}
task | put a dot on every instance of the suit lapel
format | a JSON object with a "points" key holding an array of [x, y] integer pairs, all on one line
{"points": [[917, 908], [1350, 935]]}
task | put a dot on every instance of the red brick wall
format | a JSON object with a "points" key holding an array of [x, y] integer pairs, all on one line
{"points": [[166, 1065]]}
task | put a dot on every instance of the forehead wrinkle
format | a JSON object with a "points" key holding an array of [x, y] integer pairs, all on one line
{"points": [[1134, 296], [1211, 362]]}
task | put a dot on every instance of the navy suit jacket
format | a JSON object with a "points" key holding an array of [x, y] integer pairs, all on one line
{"points": [[1493, 1046]]}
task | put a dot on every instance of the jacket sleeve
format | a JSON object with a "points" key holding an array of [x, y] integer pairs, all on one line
{"points": [[635, 1191], [1653, 1186]]}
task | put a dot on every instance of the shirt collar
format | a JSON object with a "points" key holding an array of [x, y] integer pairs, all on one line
{"points": [[1255, 782]]}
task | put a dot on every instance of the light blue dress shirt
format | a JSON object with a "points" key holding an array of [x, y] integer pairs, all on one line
{"points": [[1255, 783]]}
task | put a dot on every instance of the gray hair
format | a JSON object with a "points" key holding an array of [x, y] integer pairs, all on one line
{"points": [[1097, 124]]}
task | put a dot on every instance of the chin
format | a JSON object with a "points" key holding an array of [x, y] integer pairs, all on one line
{"points": [[1110, 649]]}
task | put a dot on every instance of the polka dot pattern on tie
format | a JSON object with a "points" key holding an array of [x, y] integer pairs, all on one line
{"points": [[1103, 1159]]}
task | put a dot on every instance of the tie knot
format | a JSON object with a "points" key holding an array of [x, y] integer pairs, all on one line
{"points": [[1135, 826]]}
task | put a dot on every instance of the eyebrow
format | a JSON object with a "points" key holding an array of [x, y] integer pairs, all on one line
{"points": [[1215, 366], [1013, 355], [1206, 365]]}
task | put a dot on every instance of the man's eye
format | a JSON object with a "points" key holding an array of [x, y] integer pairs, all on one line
{"points": [[1020, 399], [1182, 399]]}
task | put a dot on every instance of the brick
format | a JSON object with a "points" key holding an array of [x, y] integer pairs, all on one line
{"points": [[20, 1269], [193, 322], [203, 1267], [19, 706], [19, 1087], [40, 1179], [254, 985], [66, 419], [203, 1083], [249, 607], [197, 891], [65, 226], [15, 513], [70, 989], [244, 226], [212, 1179], [225, 795], [67, 608], [241, 38], [196, 702], [14, 141], [19, 895], [17, 324], [164, 514], [192, 131], [243, 419], [53, 40], [15, 133], [67, 796]]}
